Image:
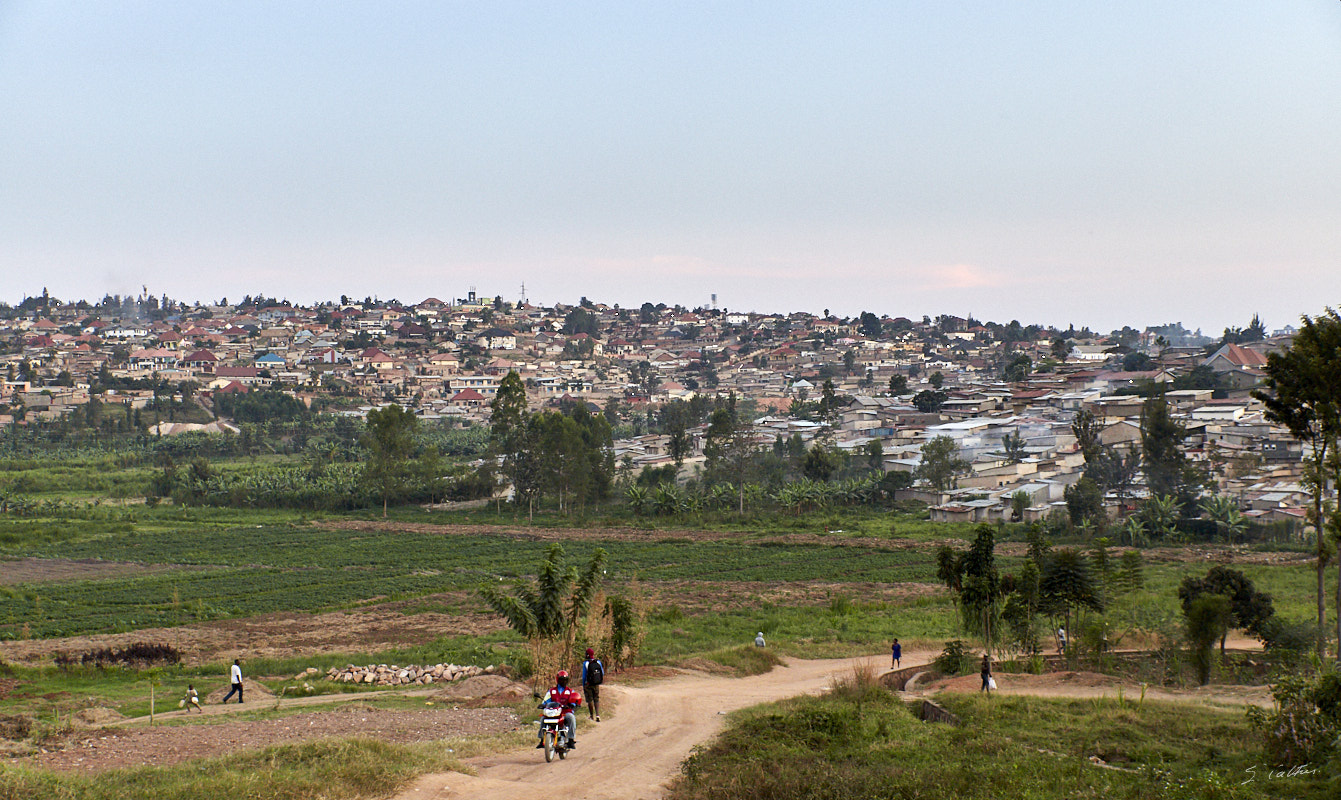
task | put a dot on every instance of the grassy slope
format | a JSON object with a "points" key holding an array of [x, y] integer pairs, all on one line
{"points": [[866, 744], [328, 769]]}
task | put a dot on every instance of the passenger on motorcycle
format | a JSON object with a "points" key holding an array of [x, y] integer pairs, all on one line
{"points": [[567, 698]]}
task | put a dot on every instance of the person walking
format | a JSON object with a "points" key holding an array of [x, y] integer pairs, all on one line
{"points": [[593, 675], [236, 673], [986, 674], [896, 653]]}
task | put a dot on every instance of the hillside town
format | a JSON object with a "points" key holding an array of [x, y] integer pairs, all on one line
{"points": [[1006, 394]]}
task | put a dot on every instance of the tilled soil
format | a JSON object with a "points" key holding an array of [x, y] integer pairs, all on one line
{"points": [[112, 748], [43, 570]]}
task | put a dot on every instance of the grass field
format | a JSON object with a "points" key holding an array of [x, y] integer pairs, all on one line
{"points": [[821, 584]]}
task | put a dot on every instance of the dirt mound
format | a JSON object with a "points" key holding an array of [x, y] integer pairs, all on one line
{"points": [[485, 687], [15, 727], [249, 689], [99, 716]]}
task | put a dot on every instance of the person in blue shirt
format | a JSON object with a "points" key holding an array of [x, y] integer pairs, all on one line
{"points": [[896, 651]]}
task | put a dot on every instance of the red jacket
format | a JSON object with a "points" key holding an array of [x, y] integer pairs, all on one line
{"points": [[566, 697]]}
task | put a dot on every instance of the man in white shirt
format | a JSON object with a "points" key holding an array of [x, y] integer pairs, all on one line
{"points": [[236, 673]]}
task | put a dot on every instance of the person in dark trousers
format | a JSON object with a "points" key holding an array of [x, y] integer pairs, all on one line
{"points": [[896, 653], [593, 675], [986, 673], [236, 674], [567, 698]]}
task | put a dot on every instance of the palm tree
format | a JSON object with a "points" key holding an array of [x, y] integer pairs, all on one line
{"points": [[547, 612]]}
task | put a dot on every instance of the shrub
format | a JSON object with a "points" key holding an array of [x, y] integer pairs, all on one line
{"points": [[954, 659], [1305, 725], [139, 654]]}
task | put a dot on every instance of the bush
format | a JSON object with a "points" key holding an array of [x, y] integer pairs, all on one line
{"points": [[1290, 642], [954, 659], [139, 654], [1305, 725]]}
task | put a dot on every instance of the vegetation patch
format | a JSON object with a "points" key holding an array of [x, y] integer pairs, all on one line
{"points": [[861, 742], [332, 768], [744, 660]]}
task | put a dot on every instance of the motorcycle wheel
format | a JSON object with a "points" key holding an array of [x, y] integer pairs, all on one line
{"points": [[549, 747], [563, 753]]}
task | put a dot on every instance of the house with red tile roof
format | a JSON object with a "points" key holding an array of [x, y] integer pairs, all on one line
{"points": [[1233, 357]]}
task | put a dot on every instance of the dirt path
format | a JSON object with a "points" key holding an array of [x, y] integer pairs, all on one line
{"points": [[633, 754]]}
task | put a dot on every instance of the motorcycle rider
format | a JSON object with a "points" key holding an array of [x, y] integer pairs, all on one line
{"points": [[567, 698]]}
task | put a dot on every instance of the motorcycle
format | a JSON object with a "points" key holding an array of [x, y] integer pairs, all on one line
{"points": [[553, 730]]}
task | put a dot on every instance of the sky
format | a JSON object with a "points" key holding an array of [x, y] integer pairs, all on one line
{"points": [[1059, 163]]}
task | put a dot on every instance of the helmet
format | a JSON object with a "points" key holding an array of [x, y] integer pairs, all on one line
{"points": [[562, 678]]}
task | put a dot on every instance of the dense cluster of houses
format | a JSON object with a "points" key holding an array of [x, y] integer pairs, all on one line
{"points": [[446, 359]]}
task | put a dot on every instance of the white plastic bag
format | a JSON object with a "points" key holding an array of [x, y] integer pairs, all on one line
{"points": [[991, 683]]}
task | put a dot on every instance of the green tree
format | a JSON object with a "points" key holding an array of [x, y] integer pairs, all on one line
{"points": [[1208, 618], [512, 439], [928, 401], [562, 457], [821, 463], [1019, 503], [898, 384], [1013, 443], [598, 453], [580, 320], [1067, 584], [936, 379], [1249, 609], [729, 449], [1167, 470], [1085, 503], [1018, 368], [1303, 392], [941, 464], [1086, 427], [828, 399], [981, 594], [1114, 470], [389, 440], [547, 612], [875, 457]]}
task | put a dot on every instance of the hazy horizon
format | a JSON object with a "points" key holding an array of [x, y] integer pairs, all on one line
{"points": [[1140, 164]]}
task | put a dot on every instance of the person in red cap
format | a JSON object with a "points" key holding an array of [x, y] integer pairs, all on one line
{"points": [[567, 698], [593, 675]]}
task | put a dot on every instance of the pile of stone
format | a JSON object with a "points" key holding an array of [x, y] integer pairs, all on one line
{"points": [[392, 675]]}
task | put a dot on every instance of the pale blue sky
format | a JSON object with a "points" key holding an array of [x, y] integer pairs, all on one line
{"points": [[1055, 162]]}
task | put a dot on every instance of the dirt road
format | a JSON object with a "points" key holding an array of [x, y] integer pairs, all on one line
{"points": [[633, 754]]}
